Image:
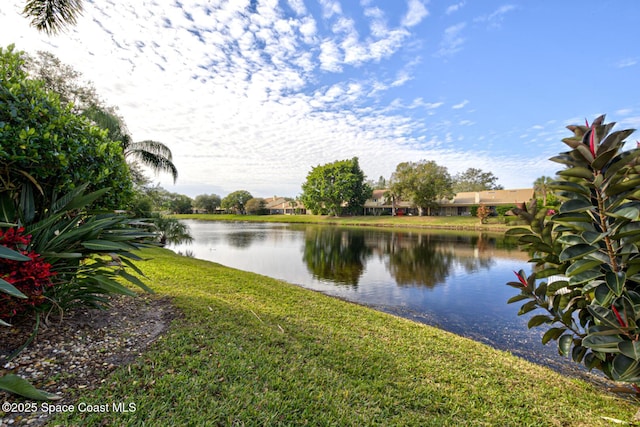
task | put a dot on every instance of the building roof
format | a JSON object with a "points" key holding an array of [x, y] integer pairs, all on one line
{"points": [[469, 198]]}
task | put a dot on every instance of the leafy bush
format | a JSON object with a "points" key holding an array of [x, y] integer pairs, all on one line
{"points": [[588, 253], [46, 150]]}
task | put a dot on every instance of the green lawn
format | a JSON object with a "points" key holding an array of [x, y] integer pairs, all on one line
{"points": [[255, 351], [442, 222]]}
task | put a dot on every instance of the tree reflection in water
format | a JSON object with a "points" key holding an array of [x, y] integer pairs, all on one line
{"points": [[413, 259], [335, 255]]}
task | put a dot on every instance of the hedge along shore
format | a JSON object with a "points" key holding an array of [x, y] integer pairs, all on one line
{"points": [[251, 350]]}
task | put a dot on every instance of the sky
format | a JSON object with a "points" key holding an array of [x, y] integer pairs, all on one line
{"points": [[252, 94]]}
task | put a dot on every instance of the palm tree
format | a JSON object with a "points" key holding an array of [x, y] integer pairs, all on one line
{"points": [[541, 188], [52, 16], [152, 154]]}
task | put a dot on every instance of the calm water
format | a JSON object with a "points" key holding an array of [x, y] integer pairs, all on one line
{"points": [[453, 281]]}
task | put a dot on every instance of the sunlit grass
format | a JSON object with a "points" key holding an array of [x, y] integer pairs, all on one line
{"points": [[255, 351]]}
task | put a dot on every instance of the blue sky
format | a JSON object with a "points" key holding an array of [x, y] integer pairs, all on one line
{"points": [[252, 94]]}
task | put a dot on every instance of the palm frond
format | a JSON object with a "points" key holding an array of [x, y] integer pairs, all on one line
{"points": [[52, 16], [154, 161], [153, 147]]}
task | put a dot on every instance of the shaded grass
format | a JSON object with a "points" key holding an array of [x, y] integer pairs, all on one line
{"points": [[438, 222], [251, 350]]}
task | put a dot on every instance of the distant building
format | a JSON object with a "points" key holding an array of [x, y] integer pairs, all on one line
{"points": [[460, 205], [281, 206]]}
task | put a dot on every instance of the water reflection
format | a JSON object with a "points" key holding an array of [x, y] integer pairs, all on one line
{"points": [[412, 259], [335, 255]]}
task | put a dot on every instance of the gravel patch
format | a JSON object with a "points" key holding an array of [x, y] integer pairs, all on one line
{"points": [[78, 352]]}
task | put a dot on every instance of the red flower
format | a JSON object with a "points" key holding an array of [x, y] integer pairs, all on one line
{"points": [[29, 277]]}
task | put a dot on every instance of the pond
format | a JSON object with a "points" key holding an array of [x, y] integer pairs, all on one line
{"points": [[455, 281]]}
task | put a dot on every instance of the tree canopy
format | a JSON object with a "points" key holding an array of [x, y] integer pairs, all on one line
{"points": [[237, 201], [475, 180], [423, 183], [336, 188], [46, 150], [208, 202]]}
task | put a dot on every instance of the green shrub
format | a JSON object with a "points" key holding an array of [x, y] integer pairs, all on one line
{"points": [[46, 150], [588, 253]]}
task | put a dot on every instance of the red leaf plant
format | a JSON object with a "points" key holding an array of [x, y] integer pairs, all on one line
{"points": [[30, 277]]}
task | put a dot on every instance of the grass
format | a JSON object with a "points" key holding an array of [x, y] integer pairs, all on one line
{"points": [[439, 222], [255, 351]]}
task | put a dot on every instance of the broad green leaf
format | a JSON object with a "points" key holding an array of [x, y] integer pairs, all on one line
{"points": [[631, 229], [106, 245], [517, 298], [530, 306], [581, 266], [577, 172], [517, 231], [576, 251], [623, 159], [630, 349], [539, 320], [17, 385], [552, 334], [586, 277], [9, 289], [603, 343], [615, 281], [602, 159], [564, 344], [570, 187], [605, 317], [572, 217], [576, 205], [625, 369], [7, 253], [603, 295], [571, 239], [614, 140]]}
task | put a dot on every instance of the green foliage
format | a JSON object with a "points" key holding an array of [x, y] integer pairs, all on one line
{"points": [[236, 201], [46, 149], [424, 183], [256, 206], [208, 202], [88, 253], [170, 230], [336, 188], [588, 252], [475, 180], [180, 204], [52, 16]]}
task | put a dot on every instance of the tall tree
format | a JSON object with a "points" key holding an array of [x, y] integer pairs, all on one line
{"points": [[52, 16], [208, 202], [542, 187], [424, 183], [237, 201], [475, 180], [62, 79], [153, 154], [335, 188]]}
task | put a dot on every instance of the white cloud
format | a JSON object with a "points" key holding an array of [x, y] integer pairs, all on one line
{"points": [[415, 14], [496, 18], [454, 8], [241, 98], [330, 8], [627, 62], [460, 105], [451, 41]]}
